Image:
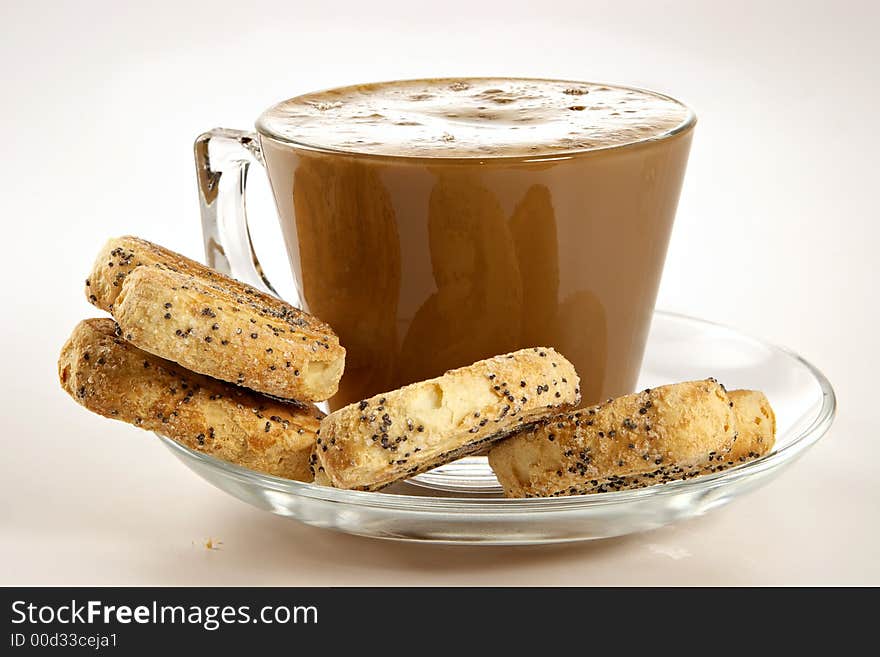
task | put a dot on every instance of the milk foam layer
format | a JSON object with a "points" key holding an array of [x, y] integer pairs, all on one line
{"points": [[473, 117]]}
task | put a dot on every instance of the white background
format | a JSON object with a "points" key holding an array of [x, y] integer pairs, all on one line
{"points": [[777, 234]]}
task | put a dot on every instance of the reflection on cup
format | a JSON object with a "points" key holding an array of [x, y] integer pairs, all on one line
{"points": [[477, 308], [350, 260], [533, 228]]}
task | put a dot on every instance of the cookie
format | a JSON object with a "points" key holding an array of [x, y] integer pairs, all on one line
{"points": [[396, 435], [648, 437], [113, 378], [185, 312]]}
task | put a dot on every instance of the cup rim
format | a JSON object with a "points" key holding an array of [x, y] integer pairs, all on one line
{"points": [[686, 124]]}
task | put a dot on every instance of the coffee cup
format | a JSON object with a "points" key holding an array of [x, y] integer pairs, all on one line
{"points": [[433, 223]]}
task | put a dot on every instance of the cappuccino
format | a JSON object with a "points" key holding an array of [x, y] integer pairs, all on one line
{"points": [[435, 223]]}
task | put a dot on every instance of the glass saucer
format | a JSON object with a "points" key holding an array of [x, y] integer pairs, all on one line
{"points": [[461, 502]]}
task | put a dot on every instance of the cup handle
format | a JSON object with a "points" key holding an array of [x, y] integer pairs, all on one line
{"points": [[223, 158]]}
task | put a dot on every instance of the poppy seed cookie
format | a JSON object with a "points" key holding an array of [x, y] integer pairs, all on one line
{"points": [[113, 378], [182, 311], [648, 437], [395, 435]]}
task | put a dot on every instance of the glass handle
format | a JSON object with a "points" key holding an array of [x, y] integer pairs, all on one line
{"points": [[223, 158]]}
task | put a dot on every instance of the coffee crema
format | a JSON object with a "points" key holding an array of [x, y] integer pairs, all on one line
{"points": [[472, 117]]}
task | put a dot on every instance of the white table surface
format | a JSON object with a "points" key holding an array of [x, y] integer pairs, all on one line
{"points": [[100, 107]]}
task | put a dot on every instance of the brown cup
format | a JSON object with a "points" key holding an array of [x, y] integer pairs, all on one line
{"points": [[422, 264]]}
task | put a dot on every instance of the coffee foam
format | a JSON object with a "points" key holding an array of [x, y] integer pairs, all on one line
{"points": [[473, 117]]}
